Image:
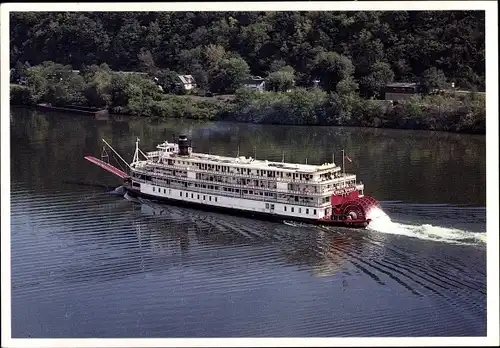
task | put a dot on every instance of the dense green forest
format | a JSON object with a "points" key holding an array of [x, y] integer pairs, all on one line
{"points": [[353, 54], [403, 43]]}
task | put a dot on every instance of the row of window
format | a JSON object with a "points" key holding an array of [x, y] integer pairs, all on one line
{"points": [[268, 206], [292, 209], [248, 171], [224, 189], [186, 194]]}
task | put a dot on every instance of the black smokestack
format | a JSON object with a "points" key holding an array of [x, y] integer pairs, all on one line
{"points": [[183, 145]]}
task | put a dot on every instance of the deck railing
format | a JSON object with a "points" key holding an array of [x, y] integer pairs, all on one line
{"points": [[249, 186], [200, 190], [255, 176]]}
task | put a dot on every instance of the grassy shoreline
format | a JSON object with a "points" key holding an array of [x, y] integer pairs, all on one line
{"points": [[408, 126], [139, 96]]}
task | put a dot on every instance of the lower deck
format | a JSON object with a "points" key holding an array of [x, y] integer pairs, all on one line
{"points": [[214, 203], [237, 203]]}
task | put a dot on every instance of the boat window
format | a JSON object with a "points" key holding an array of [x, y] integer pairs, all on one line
{"points": [[292, 209], [164, 190], [284, 208], [300, 210], [210, 198], [180, 194], [314, 211], [307, 211], [216, 199], [267, 205], [204, 197], [192, 196], [153, 189]]}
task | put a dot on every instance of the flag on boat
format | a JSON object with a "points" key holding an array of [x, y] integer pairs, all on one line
{"points": [[347, 158]]}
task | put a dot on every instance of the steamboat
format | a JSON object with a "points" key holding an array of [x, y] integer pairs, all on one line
{"points": [[319, 194]]}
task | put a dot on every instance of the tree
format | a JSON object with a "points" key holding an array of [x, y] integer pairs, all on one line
{"points": [[280, 81], [277, 65], [214, 55], [410, 41], [20, 95], [190, 60], [380, 75], [19, 72], [147, 63], [402, 69], [337, 112], [37, 83], [347, 86], [332, 67], [127, 44], [169, 81], [365, 51], [98, 91], [229, 76], [252, 42], [75, 85], [119, 87], [303, 105], [433, 79]]}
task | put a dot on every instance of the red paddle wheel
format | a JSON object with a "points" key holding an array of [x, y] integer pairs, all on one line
{"points": [[356, 209], [350, 209]]}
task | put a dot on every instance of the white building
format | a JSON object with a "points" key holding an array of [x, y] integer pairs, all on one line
{"points": [[256, 82], [188, 82]]}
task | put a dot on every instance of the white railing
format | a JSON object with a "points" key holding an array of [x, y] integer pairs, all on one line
{"points": [[241, 175], [240, 186], [199, 190]]}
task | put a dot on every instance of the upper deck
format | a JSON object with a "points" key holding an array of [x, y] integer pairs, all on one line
{"points": [[172, 155], [240, 162]]}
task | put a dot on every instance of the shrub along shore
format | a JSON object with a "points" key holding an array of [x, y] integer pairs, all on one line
{"points": [[139, 95]]}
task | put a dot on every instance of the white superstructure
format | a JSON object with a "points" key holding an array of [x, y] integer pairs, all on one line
{"points": [[293, 190]]}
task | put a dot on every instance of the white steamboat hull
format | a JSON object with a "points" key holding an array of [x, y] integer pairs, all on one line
{"points": [[211, 200]]}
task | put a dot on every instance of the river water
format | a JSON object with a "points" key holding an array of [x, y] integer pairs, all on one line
{"points": [[88, 262]]}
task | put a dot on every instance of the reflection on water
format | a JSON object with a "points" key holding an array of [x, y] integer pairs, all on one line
{"points": [[87, 263], [412, 166]]}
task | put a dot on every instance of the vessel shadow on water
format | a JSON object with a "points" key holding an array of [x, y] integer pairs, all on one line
{"points": [[317, 194]]}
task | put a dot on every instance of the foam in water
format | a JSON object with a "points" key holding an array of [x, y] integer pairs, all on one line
{"points": [[119, 191], [382, 223]]}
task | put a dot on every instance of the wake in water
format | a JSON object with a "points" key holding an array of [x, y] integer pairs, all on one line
{"points": [[119, 191], [382, 223], [296, 224]]}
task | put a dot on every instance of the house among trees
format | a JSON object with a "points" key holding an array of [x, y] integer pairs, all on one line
{"points": [[402, 90], [188, 82], [255, 82]]}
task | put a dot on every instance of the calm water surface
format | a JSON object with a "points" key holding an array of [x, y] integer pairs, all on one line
{"points": [[90, 263]]}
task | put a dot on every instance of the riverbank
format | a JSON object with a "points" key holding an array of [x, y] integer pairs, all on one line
{"points": [[131, 95]]}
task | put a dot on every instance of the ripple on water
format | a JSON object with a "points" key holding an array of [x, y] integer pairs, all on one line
{"points": [[86, 263]]}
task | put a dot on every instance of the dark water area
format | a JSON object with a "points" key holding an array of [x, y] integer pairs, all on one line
{"points": [[87, 262]]}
